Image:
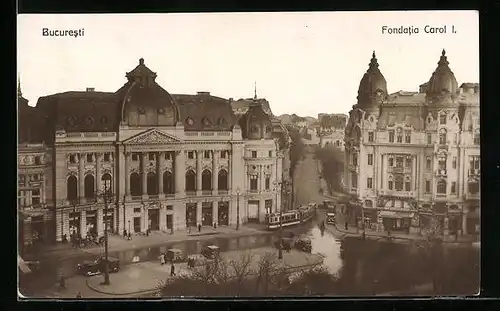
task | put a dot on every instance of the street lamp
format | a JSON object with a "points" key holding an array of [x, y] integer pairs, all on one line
{"points": [[238, 208], [129, 226], [106, 196], [280, 248]]}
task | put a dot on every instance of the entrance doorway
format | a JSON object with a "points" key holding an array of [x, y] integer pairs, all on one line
{"points": [[109, 220], [137, 224], [170, 222], [37, 229], [207, 214], [154, 219], [223, 214], [191, 215], [91, 223], [74, 224], [253, 211]]}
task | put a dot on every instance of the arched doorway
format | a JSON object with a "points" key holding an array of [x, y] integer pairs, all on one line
{"points": [[72, 188], [152, 184], [222, 180], [89, 184], [168, 183], [206, 180], [135, 185], [190, 181]]}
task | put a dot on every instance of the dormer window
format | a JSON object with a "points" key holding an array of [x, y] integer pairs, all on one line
{"points": [[206, 122], [104, 120], [89, 121], [442, 119], [141, 110], [222, 121], [189, 121]]}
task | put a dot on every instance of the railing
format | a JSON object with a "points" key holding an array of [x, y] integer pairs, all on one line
{"points": [[86, 134], [136, 197], [253, 191], [191, 133], [190, 193], [395, 193], [223, 192], [169, 195], [206, 192], [153, 196]]}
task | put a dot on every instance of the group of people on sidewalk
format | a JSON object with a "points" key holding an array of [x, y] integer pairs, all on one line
{"points": [[163, 261]]}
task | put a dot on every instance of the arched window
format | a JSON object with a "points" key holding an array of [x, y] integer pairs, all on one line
{"points": [[442, 137], [206, 180], [152, 183], [72, 188], [222, 180], [441, 186], [398, 182], [106, 182], [168, 183], [190, 181], [477, 137], [89, 186], [135, 184]]}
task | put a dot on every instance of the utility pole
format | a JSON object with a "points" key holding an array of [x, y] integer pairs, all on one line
{"points": [[238, 208]]}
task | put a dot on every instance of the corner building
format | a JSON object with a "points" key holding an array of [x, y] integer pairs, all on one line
{"points": [[173, 161], [412, 157]]}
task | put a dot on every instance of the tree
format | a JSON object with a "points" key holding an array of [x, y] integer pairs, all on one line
{"points": [[317, 281], [267, 266], [332, 161], [242, 268]]}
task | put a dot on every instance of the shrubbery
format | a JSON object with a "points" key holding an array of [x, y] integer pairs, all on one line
{"points": [[332, 161]]}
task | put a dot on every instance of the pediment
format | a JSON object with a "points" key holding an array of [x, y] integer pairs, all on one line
{"points": [[152, 136]]}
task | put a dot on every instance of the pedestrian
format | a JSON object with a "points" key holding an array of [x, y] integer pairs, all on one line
{"points": [[172, 270], [129, 236], [189, 230], [62, 281], [346, 226], [79, 295], [199, 227], [125, 233], [162, 259]]}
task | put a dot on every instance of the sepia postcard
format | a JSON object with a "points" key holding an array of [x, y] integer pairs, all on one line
{"points": [[243, 155]]}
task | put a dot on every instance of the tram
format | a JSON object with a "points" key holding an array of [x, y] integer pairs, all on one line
{"points": [[291, 218], [330, 215]]}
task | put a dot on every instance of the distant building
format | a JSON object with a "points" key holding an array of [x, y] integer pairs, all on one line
{"points": [[332, 129], [415, 156], [163, 161]]}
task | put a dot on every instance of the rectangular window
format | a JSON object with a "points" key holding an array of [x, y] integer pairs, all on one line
{"points": [[38, 160], [408, 162], [354, 180], [407, 137], [428, 163], [35, 197], [72, 158], [369, 183], [270, 154], [370, 137], [391, 136], [254, 154], [268, 182], [151, 156], [354, 159], [90, 158], [442, 119], [407, 186], [107, 157], [135, 157], [455, 139], [168, 156], [137, 210], [391, 185], [427, 186], [453, 187], [170, 207], [253, 182], [190, 155], [206, 154], [223, 154], [399, 161], [454, 163], [391, 162], [370, 159], [429, 139], [442, 164]]}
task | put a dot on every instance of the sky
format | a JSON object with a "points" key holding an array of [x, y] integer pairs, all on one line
{"points": [[304, 63]]}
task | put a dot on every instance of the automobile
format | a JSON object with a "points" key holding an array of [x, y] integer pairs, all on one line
{"points": [[210, 251], [303, 243], [175, 255], [95, 267], [286, 243]]}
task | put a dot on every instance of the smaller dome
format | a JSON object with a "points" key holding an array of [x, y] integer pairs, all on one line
{"points": [[443, 80], [372, 87]]}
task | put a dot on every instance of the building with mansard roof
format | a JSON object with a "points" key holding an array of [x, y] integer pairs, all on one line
{"points": [[160, 161], [411, 157]]}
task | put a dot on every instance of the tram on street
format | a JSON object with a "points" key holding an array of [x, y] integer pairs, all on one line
{"points": [[291, 218], [330, 215]]}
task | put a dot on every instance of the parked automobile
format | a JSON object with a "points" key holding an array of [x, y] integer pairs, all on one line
{"points": [[210, 251], [304, 244], [175, 255], [95, 267]]}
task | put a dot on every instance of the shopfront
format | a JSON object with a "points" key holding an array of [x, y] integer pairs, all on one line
{"points": [[269, 206], [91, 223], [253, 211], [207, 214], [191, 215], [223, 213], [154, 219], [396, 221], [37, 228], [74, 224], [108, 219]]}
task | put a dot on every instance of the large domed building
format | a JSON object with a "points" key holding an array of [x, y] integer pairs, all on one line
{"points": [[412, 159], [161, 161]]}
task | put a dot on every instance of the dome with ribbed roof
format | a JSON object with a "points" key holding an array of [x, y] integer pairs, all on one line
{"points": [[373, 86], [442, 81]]}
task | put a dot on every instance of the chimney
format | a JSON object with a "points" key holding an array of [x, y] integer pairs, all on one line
{"points": [[90, 89]]}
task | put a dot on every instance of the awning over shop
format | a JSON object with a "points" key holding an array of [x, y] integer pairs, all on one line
{"points": [[395, 214], [23, 267]]}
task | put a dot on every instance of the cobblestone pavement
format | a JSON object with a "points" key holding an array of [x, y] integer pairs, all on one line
{"points": [[143, 278]]}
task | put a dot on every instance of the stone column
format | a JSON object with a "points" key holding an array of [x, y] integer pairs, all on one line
{"points": [[199, 155], [159, 171], [163, 217], [446, 228], [230, 172], [199, 210], [215, 171], [81, 175], [179, 173], [464, 224], [144, 174], [83, 224], [414, 174], [126, 175], [215, 212], [98, 158], [100, 222]]}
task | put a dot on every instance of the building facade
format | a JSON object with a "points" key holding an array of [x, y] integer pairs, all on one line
{"points": [[412, 157], [332, 129], [141, 158]]}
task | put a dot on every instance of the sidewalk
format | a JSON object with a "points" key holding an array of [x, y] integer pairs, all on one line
{"points": [[147, 277], [118, 243]]}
